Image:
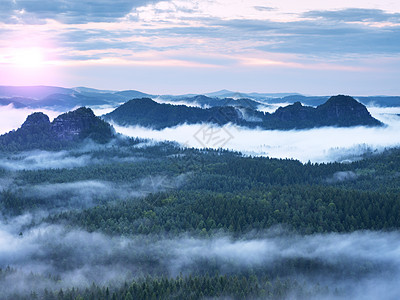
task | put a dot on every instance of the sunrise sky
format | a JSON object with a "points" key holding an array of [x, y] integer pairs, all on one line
{"points": [[179, 46]]}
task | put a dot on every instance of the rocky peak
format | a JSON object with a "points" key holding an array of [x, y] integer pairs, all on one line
{"points": [[66, 130], [36, 119], [78, 124], [294, 111], [341, 104], [346, 110]]}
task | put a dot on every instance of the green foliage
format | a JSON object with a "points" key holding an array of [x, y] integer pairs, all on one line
{"points": [[306, 209], [190, 287], [207, 192]]}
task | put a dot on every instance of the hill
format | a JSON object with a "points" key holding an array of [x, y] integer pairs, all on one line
{"points": [[68, 129], [148, 113], [342, 111]]}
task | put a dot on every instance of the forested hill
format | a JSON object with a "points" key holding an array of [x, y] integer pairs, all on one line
{"points": [[342, 111], [37, 132]]}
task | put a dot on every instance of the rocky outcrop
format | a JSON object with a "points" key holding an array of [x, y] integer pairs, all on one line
{"points": [[66, 130], [78, 124], [345, 111], [295, 111], [35, 120]]}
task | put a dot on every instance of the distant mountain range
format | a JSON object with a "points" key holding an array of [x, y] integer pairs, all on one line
{"points": [[342, 111], [64, 99]]}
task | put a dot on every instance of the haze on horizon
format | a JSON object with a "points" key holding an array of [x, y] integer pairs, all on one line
{"points": [[181, 46]]}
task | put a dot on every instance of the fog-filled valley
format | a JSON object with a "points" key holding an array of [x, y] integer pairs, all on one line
{"points": [[197, 211], [324, 144]]}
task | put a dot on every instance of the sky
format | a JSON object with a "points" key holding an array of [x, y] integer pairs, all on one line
{"points": [[179, 46]]}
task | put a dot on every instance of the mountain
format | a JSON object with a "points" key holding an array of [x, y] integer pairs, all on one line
{"points": [[205, 101], [17, 102], [82, 89], [388, 101], [345, 111], [133, 94], [35, 92], [148, 113], [69, 101], [307, 100], [68, 129], [221, 93], [65, 99], [342, 111], [230, 94]]}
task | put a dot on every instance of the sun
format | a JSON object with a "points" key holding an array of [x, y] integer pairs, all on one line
{"points": [[28, 57]]}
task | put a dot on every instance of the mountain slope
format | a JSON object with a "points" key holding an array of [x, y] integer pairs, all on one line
{"points": [[148, 113], [342, 111], [35, 92], [37, 132], [15, 101]]}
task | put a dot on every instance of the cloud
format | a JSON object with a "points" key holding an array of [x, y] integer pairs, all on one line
{"points": [[86, 193], [73, 11], [346, 262], [200, 34], [355, 15], [39, 159], [264, 8], [88, 153], [342, 176]]}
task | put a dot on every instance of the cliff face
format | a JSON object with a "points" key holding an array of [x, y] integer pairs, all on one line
{"points": [[79, 124], [69, 128], [295, 111]]}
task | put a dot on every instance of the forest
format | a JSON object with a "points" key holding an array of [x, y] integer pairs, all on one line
{"points": [[166, 196]]}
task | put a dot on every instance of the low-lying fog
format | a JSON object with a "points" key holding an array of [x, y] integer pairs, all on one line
{"points": [[357, 264], [316, 145], [360, 265]]}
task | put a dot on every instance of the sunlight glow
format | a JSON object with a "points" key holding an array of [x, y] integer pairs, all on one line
{"points": [[29, 57]]}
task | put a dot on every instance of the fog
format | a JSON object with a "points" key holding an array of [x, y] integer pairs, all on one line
{"points": [[349, 262], [342, 176], [360, 265], [316, 145], [104, 109], [162, 100], [81, 194], [12, 118], [38, 159], [60, 197], [88, 153]]}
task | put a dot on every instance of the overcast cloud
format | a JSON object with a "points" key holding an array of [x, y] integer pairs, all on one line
{"points": [[203, 45]]}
